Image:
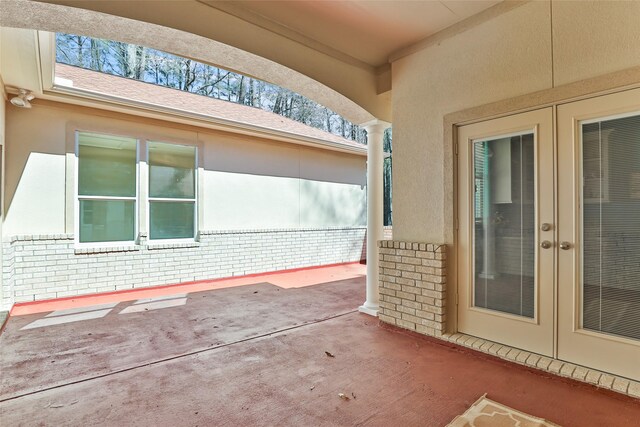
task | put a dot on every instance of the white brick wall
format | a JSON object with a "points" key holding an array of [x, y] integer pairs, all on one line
{"points": [[44, 267]]}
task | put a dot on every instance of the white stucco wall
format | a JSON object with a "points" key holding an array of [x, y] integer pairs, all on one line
{"points": [[247, 183], [4, 288], [536, 46], [35, 173]]}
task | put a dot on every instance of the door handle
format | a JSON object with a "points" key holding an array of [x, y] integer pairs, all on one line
{"points": [[565, 246], [545, 244]]}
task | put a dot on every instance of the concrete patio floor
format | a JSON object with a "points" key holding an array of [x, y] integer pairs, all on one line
{"points": [[254, 354]]}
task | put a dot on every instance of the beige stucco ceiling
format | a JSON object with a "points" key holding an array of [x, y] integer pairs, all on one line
{"points": [[369, 31]]}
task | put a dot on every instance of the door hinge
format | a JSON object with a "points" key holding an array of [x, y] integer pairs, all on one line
{"points": [[456, 148], [457, 224]]}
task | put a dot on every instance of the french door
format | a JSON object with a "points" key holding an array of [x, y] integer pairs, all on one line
{"points": [[549, 232], [505, 187], [599, 233]]}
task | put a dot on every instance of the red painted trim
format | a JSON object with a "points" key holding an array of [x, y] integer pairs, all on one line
{"points": [[174, 285]]}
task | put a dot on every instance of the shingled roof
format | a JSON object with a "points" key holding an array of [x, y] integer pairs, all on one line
{"points": [[119, 87]]}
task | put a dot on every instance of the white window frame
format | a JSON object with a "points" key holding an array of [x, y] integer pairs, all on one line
{"points": [[150, 199], [78, 197]]}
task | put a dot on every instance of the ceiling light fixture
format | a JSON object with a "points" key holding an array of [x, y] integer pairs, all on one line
{"points": [[22, 100]]}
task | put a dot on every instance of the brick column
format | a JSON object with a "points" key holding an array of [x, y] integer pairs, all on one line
{"points": [[413, 286]]}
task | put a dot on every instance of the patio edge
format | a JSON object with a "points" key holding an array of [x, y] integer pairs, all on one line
{"points": [[133, 293]]}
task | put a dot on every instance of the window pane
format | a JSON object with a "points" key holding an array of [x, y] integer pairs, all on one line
{"points": [[106, 165], [107, 220], [171, 220], [611, 226], [172, 171], [504, 232]]}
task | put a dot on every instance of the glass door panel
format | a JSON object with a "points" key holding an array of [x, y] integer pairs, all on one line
{"points": [[504, 224], [611, 226]]}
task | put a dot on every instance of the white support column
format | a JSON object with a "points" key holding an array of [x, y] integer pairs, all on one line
{"points": [[375, 133]]}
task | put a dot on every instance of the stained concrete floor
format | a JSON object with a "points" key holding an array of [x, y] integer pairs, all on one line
{"points": [[255, 355]]}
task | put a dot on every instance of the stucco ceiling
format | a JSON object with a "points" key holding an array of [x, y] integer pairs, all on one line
{"points": [[369, 31]]}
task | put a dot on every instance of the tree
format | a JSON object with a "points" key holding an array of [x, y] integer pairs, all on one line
{"points": [[387, 177], [153, 66]]}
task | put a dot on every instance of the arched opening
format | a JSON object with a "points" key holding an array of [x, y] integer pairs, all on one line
{"points": [[56, 18]]}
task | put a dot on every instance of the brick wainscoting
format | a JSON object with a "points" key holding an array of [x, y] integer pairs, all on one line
{"points": [[413, 286], [50, 266]]}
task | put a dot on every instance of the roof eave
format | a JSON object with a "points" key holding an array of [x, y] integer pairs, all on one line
{"points": [[103, 101]]}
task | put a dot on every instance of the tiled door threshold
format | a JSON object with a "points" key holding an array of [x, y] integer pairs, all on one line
{"points": [[554, 366]]}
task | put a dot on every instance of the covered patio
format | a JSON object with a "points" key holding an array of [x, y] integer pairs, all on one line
{"points": [[276, 349], [512, 273]]}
